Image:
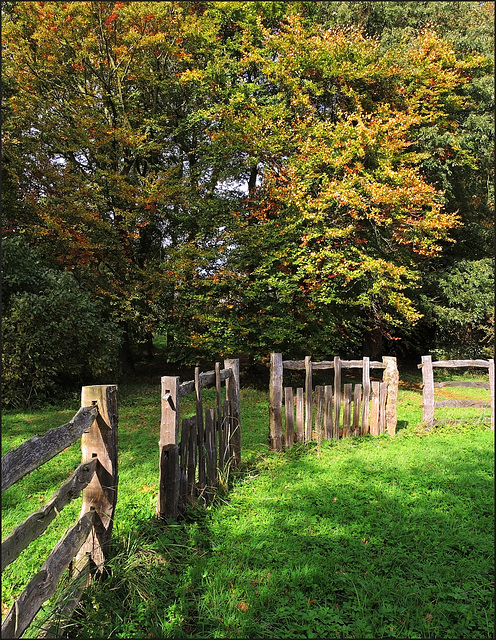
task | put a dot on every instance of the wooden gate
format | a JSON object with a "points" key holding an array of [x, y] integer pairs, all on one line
{"points": [[331, 411]]}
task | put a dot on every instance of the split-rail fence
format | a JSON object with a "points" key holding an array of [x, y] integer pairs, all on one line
{"points": [[194, 451], [428, 386], [84, 546], [328, 411]]}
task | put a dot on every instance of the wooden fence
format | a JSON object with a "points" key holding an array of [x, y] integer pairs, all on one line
{"points": [[191, 458], [86, 542], [428, 387], [331, 412]]}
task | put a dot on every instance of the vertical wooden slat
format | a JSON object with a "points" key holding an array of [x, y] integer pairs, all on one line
{"points": [[183, 464], [383, 391], [226, 454], [168, 492], [374, 410], [319, 412], [328, 422], [308, 398], [200, 431], [427, 390], [210, 451], [491, 388], [192, 458], [100, 441], [347, 410], [357, 402], [391, 378], [218, 394], [300, 415], [289, 417], [275, 402], [366, 395], [233, 394], [337, 394]]}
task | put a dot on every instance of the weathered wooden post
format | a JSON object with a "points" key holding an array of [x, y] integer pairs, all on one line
{"points": [[391, 377], [300, 415], [366, 395], [233, 394], [100, 441], [308, 398], [169, 475], [427, 390], [275, 402], [289, 404], [200, 432], [337, 395], [491, 388]]}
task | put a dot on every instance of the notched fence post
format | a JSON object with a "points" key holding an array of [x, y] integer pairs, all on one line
{"points": [[169, 473]]}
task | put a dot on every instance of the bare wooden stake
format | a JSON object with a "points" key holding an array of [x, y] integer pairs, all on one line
{"points": [[491, 387], [383, 391], [347, 410], [391, 378], [289, 417], [319, 412], [337, 395], [374, 410], [200, 431], [275, 402], [357, 402], [366, 396], [300, 415], [427, 390], [308, 398], [328, 422], [233, 394]]}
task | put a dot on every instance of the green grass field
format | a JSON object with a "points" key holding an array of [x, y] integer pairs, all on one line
{"points": [[363, 538]]}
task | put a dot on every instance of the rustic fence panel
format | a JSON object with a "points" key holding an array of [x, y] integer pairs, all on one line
{"points": [[330, 411], [85, 543], [191, 458], [429, 403]]}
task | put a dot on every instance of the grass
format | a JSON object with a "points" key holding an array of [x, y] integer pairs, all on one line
{"points": [[364, 538]]}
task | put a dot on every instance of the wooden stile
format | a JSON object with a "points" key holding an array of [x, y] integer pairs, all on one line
{"points": [[357, 402], [366, 396], [337, 395], [289, 417], [308, 398], [328, 417], [300, 415]]}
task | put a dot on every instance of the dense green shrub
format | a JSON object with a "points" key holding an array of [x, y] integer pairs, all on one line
{"points": [[54, 335]]}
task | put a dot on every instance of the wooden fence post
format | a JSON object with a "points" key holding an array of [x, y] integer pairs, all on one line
{"points": [[300, 415], [319, 412], [100, 441], [391, 377], [289, 415], [233, 394], [169, 475], [357, 401], [308, 398], [275, 402], [337, 394], [427, 390], [200, 431], [374, 409], [328, 430], [366, 395], [491, 388]]}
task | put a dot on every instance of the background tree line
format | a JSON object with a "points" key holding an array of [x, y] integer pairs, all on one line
{"points": [[307, 177]]}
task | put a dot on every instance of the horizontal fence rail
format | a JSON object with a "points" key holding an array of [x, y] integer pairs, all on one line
{"points": [[429, 403], [331, 411], [84, 545], [194, 451]]}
